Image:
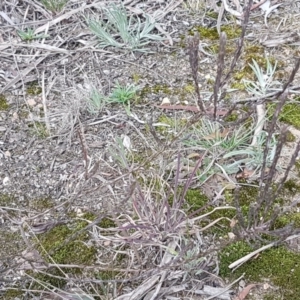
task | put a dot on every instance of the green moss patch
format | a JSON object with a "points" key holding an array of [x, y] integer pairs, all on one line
{"points": [[33, 89], [233, 117], [162, 89], [42, 204], [3, 103], [292, 187], [290, 114], [232, 31], [6, 199], [64, 251], [290, 138], [65, 246], [280, 265], [195, 200], [174, 124], [11, 294]]}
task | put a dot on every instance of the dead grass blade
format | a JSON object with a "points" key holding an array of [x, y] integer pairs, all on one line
{"points": [[68, 15], [37, 46]]}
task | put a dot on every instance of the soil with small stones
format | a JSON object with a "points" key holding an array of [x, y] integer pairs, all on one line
{"points": [[45, 177]]}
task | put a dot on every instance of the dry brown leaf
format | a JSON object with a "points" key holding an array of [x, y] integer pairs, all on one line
{"points": [[245, 174], [243, 294], [194, 155], [215, 135]]}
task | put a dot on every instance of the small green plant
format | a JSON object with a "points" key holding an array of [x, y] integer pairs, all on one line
{"points": [[123, 94], [119, 94], [121, 31], [229, 148], [55, 6], [96, 102], [254, 155], [29, 35], [265, 81]]}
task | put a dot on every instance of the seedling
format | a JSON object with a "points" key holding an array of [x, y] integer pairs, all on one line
{"points": [[29, 35]]}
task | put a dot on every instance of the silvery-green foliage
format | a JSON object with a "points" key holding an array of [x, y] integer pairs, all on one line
{"points": [[265, 80], [228, 150], [96, 101], [123, 31]]}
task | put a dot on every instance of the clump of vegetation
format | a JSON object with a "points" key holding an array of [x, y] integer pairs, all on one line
{"points": [[33, 89], [63, 246], [280, 265], [54, 6], [39, 129], [232, 31], [154, 229], [123, 94], [3, 103], [120, 94], [42, 203], [28, 35], [264, 79], [133, 34], [290, 114]]}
